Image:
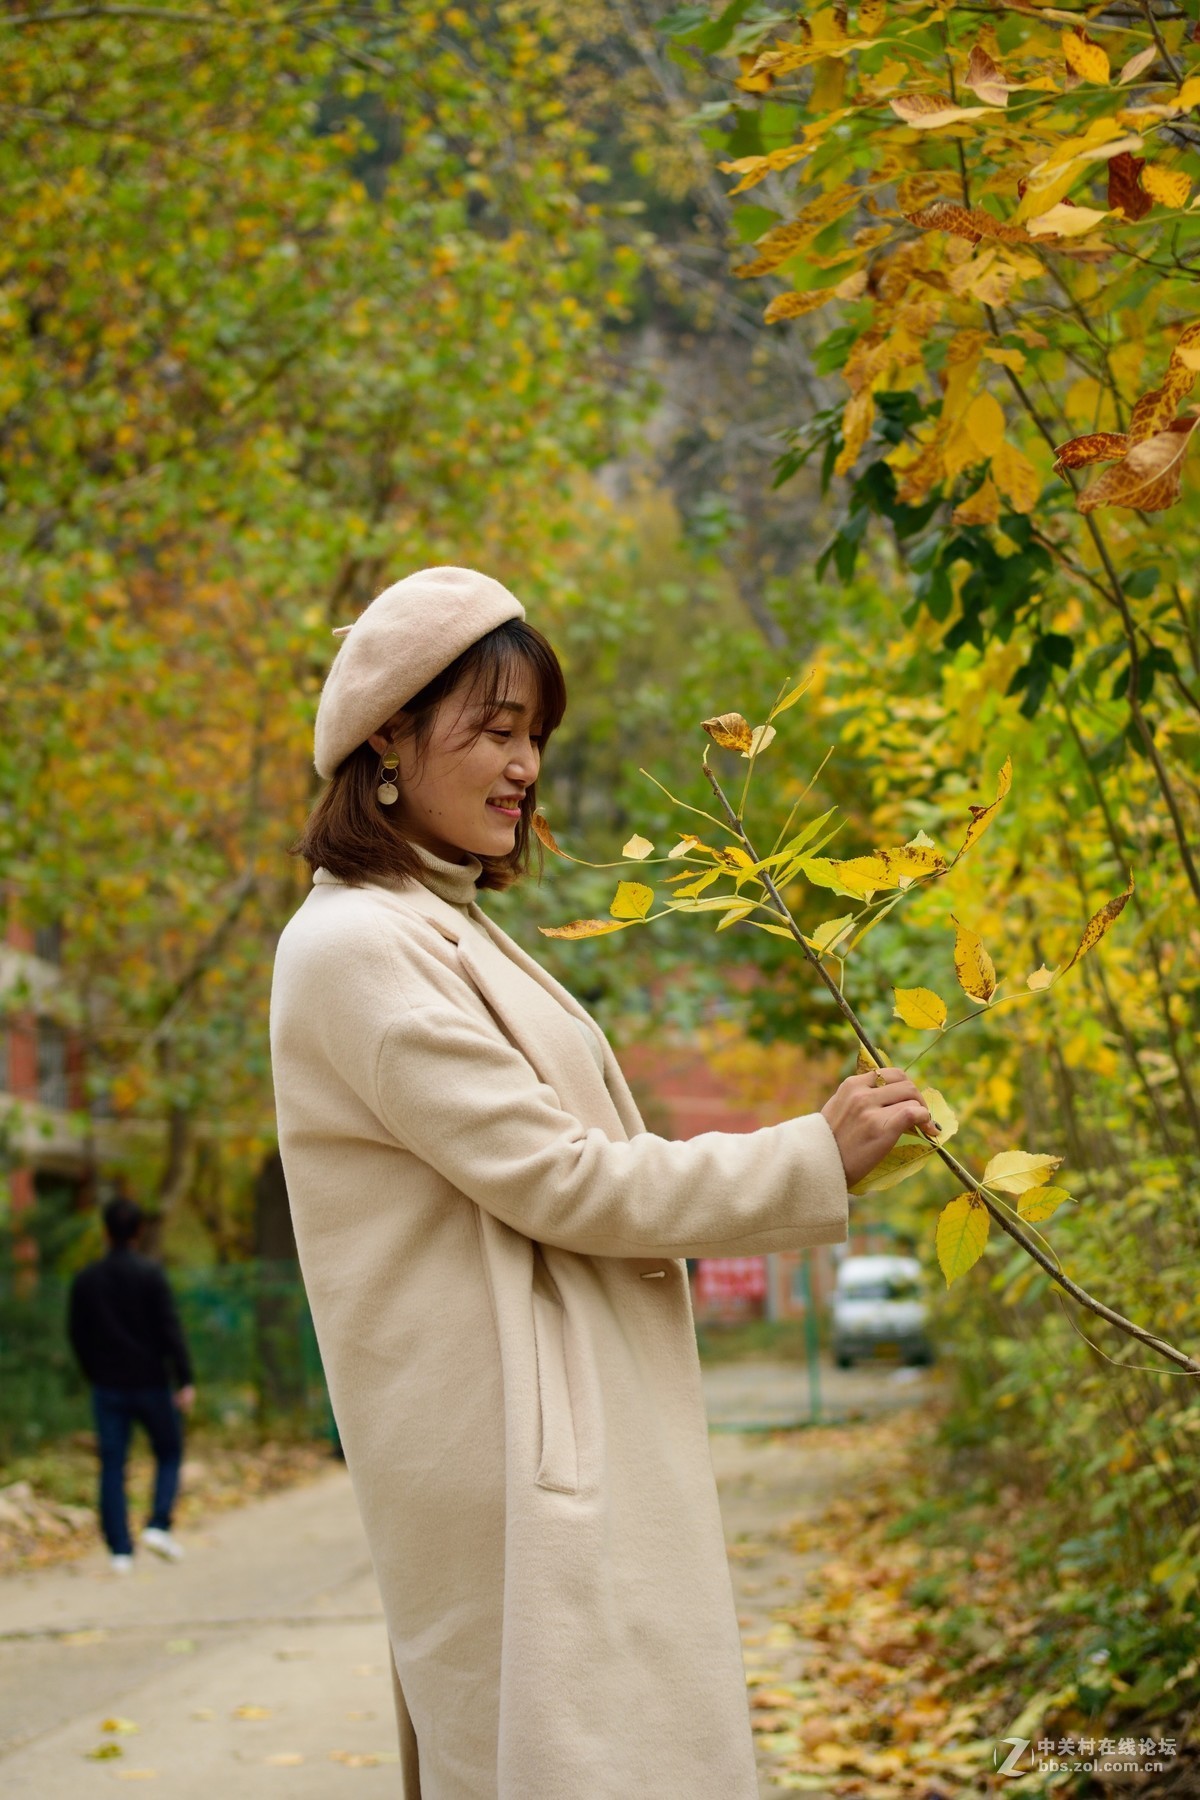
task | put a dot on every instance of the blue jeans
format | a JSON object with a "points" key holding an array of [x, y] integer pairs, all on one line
{"points": [[116, 1410]]}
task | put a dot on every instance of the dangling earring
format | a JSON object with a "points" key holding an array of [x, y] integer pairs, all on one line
{"points": [[387, 793]]}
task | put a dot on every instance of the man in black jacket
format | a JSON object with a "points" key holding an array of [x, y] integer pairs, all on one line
{"points": [[127, 1336]]}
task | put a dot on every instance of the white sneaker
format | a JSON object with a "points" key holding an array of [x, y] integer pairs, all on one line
{"points": [[121, 1565], [162, 1543]]}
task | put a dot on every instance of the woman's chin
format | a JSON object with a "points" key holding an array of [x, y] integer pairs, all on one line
{"points": [[496, 838]]}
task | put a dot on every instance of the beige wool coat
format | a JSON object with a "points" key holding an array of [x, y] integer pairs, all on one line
{"points": [[490, 1240]]}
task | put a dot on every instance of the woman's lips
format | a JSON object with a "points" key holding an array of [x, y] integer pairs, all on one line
{"points": [[508, 812]]}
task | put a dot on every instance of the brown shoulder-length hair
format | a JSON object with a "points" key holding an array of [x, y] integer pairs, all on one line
{"points": [[349, 833]]}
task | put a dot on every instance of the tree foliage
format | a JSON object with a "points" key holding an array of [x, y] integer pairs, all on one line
{"points": [[291, 299]]}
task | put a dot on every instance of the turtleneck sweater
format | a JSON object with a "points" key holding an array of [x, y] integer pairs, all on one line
{"points": [[455, 883]]}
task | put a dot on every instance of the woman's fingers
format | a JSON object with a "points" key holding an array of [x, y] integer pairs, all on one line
{"points": [[868, 1113]]}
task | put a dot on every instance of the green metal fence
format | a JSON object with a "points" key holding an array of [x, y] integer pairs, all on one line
{"points": [[248, 1328]]}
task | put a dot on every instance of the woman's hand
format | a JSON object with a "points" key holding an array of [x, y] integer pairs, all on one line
{"points": [[867, 1115]]}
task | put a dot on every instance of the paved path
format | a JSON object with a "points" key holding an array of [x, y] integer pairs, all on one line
{"points": [[259, 1665]]}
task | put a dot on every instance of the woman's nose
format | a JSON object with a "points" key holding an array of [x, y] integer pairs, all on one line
{"points": [[524, 763]]}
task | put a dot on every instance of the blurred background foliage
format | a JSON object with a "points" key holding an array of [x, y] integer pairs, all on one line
{"points": [[301, 297]]}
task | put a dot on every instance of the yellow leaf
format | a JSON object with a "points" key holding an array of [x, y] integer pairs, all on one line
{"points": [[737, 911], [962, 1233], [1016, 478], [632, 900], [1007, 359], [857, 420], [972, 964], [864, 1062], [123, 1726], [1065, 221], [1038, 1203], [861, 875], [1016, 1171], [796, 304], [733, 857], [582, 928], [637, 848], [793, 694], [776, 930], [1189, 94], [285, 1759], [729, 730], [252, 1712], [104, 1752], [980, 508], [943, 1113], [1170, 187], [826, 936], [981, 816], [984, 423], [1040, 979], [1099, 923], [760, 737], [900, 1162], [689, 841], [913, 861], [697, 886], [822, 873], [1084, 58], [921, 1008]]}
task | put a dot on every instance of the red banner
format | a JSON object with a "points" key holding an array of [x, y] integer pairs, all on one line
{"points": [[732, 1278]]}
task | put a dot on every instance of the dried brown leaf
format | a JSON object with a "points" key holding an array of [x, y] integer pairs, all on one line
{"points": [[1124, 188], [1094, 447], [1149, 477], [730, 730]]}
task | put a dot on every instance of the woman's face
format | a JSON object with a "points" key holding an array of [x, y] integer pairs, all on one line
{"points": [[464, 795]]}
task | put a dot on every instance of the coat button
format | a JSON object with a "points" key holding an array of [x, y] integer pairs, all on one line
{"points": [[654, 1275]]}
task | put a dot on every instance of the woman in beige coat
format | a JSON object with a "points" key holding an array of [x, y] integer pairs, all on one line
{"points": [[491, 1244]]}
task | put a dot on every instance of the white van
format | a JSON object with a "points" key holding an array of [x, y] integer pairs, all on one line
{"points": [[878, 1310]]}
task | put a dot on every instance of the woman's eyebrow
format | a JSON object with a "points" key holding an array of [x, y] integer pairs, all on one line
{"points": [[515, 706]]}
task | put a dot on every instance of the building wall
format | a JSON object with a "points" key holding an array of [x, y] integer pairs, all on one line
{"points": [[41, 1074]]}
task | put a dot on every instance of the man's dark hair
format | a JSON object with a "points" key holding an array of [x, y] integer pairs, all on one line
{"points": [[122, 1221]]}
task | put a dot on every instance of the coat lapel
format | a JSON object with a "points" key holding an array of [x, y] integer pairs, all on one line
{"points": [[540, 1019]]}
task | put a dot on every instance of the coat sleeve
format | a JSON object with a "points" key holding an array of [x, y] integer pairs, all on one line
{"points": [[170, 1330], [462, 1099]]}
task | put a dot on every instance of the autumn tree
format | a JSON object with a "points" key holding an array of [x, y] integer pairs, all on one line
{"points": [[292, 300]]}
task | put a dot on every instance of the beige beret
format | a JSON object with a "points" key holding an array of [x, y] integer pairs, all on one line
{"points": [[407, 635]]}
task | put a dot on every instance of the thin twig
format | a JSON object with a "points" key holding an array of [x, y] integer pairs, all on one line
{"points": [[963, 1174]]}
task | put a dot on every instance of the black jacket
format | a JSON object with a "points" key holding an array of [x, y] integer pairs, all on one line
{"points": [[123, 1324]]}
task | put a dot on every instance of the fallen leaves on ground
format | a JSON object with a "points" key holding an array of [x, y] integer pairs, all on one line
{"points": [[912, 1656]]}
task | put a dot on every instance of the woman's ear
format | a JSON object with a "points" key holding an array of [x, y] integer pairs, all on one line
{"points": [[384, 738]]}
